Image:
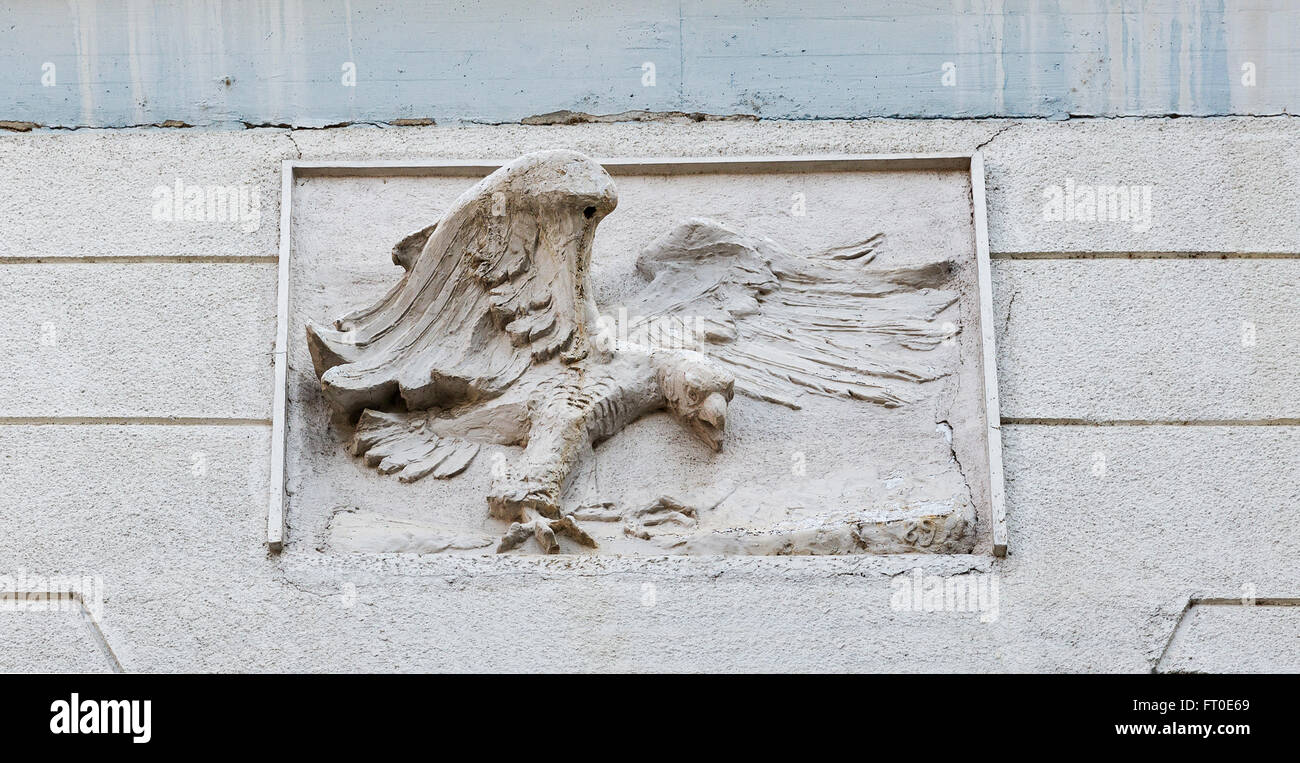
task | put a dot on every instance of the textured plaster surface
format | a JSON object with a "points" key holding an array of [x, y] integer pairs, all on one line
{"points": [[109, 339], [1112, 528], [1136, 340], [55, 641], [1236, 639], [1215, 185], [94, 194]]}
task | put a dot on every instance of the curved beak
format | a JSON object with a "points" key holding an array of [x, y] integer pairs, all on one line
{"points": [[711, 420], [714, 410]]}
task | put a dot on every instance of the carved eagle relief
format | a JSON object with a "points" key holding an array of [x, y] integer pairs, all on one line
{"points": [[492, 337]]}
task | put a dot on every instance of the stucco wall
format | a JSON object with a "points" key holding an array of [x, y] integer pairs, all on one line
{"points": [[1150, 436]]}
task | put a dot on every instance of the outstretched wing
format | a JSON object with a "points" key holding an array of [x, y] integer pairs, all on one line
{"points": [[498, 283], [830, 324]]}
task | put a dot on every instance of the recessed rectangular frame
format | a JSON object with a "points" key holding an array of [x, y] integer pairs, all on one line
{"points": [[292, 169]]}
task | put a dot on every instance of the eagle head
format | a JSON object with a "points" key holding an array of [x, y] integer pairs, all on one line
{"points": [[697, 391]]}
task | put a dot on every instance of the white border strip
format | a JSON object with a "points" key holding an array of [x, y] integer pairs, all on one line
{"points": [[292, 169], [988, 342], [279, 410], [651, 166]]}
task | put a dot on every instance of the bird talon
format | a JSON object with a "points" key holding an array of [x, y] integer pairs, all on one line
{"points": [[512, 497], [545, 530]]}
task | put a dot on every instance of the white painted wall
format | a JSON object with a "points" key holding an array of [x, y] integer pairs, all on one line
{"points": [[135, 434]]}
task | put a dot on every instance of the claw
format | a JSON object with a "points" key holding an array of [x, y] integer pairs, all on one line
{"points": [[545, 535], [663, 510], [512, 498], [568, 525], [545, 531]]}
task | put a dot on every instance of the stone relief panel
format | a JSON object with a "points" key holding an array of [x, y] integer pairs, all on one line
{"points": [[557, 361]]}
